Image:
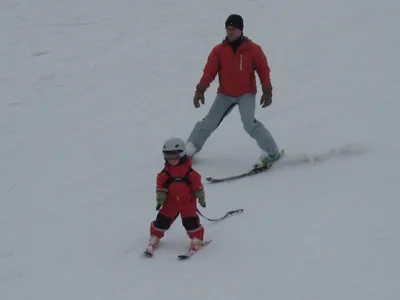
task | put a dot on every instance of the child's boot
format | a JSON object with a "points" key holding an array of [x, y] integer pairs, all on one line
{"points": [[153, 242]]}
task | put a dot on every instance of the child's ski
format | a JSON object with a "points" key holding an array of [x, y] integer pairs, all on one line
{"points": [[189, 254]]}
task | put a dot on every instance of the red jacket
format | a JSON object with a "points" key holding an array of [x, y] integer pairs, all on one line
{"points": [[179, 192], [236, 70]]}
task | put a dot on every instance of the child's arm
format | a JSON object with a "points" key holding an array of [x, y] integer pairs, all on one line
{"points": [[198, 188], [161, 191], [195, 179], [161, 180]]}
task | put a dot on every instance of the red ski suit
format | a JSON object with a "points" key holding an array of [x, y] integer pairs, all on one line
{"points": [[181, 199]]}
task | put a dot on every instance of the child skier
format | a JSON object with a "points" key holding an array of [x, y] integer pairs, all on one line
{"points": [[178, 187]]}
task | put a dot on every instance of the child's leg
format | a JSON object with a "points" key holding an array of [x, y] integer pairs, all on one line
{"points": [[165, 218], [193, 227], [157, 228], [161, 224], [191, 222]]}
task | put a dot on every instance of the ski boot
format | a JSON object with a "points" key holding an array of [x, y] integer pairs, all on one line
{"points": [[195, 245], [265, 161], [191, 149], [153, 242]]}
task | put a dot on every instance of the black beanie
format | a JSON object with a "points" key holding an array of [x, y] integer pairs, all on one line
{"points": [[235, 21]]}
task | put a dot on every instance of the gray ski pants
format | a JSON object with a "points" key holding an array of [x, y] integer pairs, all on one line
{"points": [[221, 107]]}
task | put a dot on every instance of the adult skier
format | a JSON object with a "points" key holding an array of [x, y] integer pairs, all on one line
{"points": [[235, 60]]}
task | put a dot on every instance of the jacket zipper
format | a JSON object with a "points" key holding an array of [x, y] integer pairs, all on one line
{"points": [[241, 63]]}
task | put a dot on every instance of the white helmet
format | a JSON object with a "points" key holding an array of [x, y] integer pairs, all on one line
{"points": [[174, 146]]}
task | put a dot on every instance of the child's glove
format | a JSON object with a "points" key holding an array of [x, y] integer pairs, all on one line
{"points": [[161, 197], [201, 197]]}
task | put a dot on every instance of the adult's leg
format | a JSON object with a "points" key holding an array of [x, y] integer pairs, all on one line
{"points": [[255, 128], [220, 108]]}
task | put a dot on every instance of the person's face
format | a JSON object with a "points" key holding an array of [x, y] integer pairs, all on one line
{"points": [[233, 33], [172, 157]]}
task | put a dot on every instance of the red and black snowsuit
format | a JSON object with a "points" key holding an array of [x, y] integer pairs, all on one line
{"points": [[180, 183]]}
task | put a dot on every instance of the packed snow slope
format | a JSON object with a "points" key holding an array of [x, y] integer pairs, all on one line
{"points": [[89, 91]]}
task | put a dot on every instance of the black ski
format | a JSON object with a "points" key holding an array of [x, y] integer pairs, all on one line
{"points": [[148, 253], [242, 175]]}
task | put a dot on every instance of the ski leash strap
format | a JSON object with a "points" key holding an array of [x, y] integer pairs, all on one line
{"points": [[236, 211]]}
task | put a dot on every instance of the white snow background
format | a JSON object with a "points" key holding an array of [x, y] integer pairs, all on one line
{"points": [[89, 91]]}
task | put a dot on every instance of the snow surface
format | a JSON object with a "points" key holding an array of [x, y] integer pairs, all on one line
{"points": [[89, 91]]}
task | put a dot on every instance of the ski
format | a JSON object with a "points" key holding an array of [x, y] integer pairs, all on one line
{"points": [[252, 172], [189, 254], [148, 253], [235, 177]]}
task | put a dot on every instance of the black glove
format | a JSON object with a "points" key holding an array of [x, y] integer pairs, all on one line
{"points": [[199, 95], [266, 98]]}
